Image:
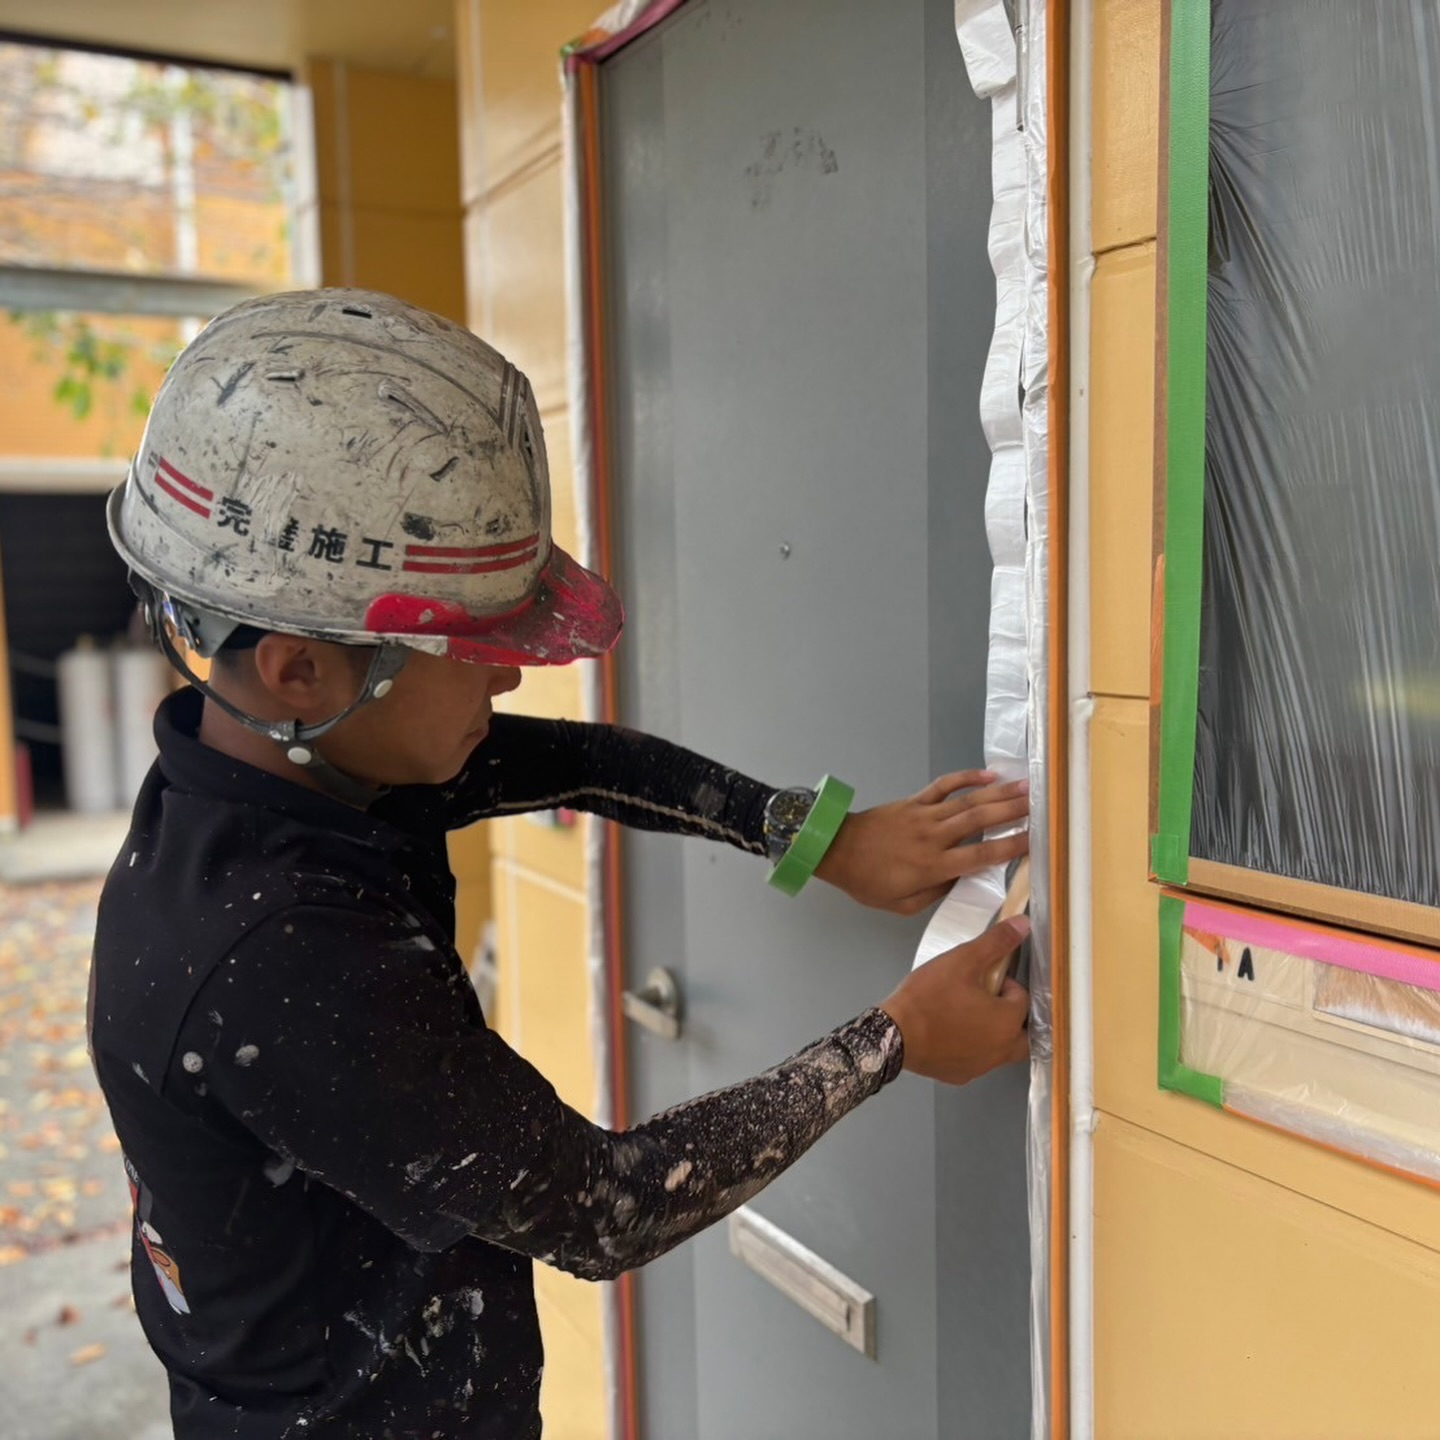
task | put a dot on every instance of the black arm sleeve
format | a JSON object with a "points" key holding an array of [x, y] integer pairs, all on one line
{"points": [[376, 1077], [650, 784]]}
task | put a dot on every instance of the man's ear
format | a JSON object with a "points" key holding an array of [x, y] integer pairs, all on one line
{"points": [[295, 672]]}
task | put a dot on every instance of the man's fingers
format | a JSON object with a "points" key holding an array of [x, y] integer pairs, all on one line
{"points": [[1019, 1051], [967, 859], [946, 785], [924, 899], [955, 863], [999, 940], [1014, 992], [958, 802], [980, 818]]}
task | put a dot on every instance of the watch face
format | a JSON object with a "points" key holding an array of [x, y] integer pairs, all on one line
{"points": [[787, 809]]}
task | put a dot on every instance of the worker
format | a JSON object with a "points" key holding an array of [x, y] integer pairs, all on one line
{"points": [[341, 1175]]}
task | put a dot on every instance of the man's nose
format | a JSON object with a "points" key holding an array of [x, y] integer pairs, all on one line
{"points": [[506, 679]]}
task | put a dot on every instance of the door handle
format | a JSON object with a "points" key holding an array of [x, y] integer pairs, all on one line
{"points": [[816, 1286], [656, 1005]]}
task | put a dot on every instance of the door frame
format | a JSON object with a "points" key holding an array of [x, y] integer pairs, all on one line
{"points": [[589, 379]]}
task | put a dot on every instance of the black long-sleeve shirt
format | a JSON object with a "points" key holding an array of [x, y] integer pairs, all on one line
{"points": [[341, 1174]]}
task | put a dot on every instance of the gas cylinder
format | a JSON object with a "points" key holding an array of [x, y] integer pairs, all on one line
{"points": [[141, 678], [87, 727]]}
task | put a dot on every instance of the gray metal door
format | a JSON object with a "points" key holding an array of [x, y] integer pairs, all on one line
{"points": [[797, 203]]}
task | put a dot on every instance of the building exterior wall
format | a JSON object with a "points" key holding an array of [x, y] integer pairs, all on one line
{"points": [[88, 188], [63, 205], [1246, 1283], [37, 426], [513, 191]]}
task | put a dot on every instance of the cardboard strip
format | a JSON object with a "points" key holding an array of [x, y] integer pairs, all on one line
{"points": [[1349, 909]]}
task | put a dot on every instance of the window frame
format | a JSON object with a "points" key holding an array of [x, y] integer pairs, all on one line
{"points": [[193, 296]]}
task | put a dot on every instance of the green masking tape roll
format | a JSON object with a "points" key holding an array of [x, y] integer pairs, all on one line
{"points": [[807, 849]]}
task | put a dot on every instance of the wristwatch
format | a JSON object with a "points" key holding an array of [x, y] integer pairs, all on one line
{"points": [[785, 816], [799, 828]]}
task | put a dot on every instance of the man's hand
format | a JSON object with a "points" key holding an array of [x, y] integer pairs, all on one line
{"points": [[954, 1029], [904, 856]]}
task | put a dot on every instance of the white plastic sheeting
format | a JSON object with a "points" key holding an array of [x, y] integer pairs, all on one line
{"points": [[988, 46], [1007, 67]]}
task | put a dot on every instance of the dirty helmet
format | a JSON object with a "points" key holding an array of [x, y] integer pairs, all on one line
{"points": [[342, 465]]}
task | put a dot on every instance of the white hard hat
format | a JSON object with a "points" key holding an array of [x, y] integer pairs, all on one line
{"points": [[343, 465]]}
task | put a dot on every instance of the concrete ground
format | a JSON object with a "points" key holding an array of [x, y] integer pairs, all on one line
{"points": [[61, 845], [77, 1366]]}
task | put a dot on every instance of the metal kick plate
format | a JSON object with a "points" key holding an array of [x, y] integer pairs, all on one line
{"points": [[816, 1286]]}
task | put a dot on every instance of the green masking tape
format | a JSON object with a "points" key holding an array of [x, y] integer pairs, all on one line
{"points": [[807, 849], [1188, 321]]}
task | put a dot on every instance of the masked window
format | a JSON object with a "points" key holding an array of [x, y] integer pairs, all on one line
{"points": [[1317, 752]]}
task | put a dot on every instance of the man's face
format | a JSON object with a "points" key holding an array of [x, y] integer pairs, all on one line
{"points": [[423, 731]]}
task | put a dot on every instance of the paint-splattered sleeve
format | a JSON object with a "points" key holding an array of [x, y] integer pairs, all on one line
{"points": [[377, 1077], [528, 764], [607, 1203]]}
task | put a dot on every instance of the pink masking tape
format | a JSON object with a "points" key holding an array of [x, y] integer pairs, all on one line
{"points": [[1325, 946]]}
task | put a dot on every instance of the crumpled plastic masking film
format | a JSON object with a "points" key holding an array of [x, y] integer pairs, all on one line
{"points": [[1014, 413], [1330, 1036], [988, 46]]}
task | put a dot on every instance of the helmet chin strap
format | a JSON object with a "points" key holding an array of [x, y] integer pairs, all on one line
{"points": [[297, 740]]}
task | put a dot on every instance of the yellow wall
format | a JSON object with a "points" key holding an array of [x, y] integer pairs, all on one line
{"points": [[387, 160], [388, 170], [1247, 1284], [514, 251]]}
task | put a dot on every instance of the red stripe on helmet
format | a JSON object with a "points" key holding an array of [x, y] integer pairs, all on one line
{"points": [[184, 480], [472, 567], [181, 496], [470, 552]]}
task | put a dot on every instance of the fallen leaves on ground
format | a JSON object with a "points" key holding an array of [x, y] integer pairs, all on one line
{"points": [[59, 1174]]}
